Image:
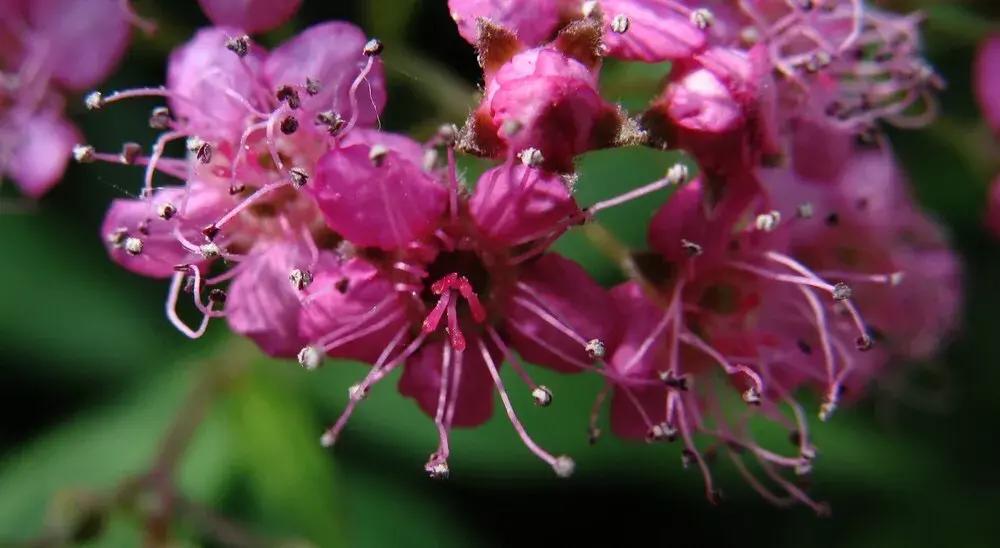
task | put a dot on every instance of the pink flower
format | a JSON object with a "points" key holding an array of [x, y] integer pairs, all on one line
{"points": [[250, 15], [533, 21], [37, 37], [544, 99], [987, 80]]}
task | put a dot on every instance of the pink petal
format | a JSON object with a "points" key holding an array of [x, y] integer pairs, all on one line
{"points": [[640, 316], [655, 34], [64, 28], [262, 304], [406, 147], [250, 15], [514, 203], [987, 80], [533, 21], [340, 295], [421, 381], [41, 152], [386, 206], [161, 251], [627, 421], [332, 55], [993, 208], [202, 70], [565, 292]]}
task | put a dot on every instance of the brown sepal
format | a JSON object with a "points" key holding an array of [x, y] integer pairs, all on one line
{"points": [[581, 40], [496, 45]]}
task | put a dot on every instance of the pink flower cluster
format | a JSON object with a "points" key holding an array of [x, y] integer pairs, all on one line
{"points": [[795, 262], [986, 74]]}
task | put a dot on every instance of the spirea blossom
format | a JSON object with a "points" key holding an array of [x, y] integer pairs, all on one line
{"points": [[37, 68], [771, 271], [987, 89]]}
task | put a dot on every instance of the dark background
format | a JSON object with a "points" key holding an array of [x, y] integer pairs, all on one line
{"points": [[93, 375]]}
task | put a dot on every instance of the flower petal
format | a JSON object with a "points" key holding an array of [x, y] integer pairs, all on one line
{"points": [[249, 15], [514, 204], [421, 381], [41, 152]]}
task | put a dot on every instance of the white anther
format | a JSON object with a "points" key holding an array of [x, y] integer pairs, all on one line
{"points": [[542, 396], [826, 410], [595, 349], [209, 250], [677, 174], [766, 222], [166, 211], [438, 470], [620, 23], [298, 176], [842, 292], [377, 154], [511, 127], [300, 279], [751, 396], [896, 278], [589, 7], [702, 18], [805, 211], [310, 357], [564, 466], [531, 157], [357, 392], [84, 154], [133, 246], [94, 100]]}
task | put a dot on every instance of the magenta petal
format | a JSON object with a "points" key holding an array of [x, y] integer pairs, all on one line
{"points": [[640, 317], [656, 33], [533, 21], [993, 208], [161, 251], [249, 15], [201, 71], [387, 205], [627, 421], [987, 80], [41, 153], [262, 304], [406, 147], [332, 55], [421, 381], [100, 28], [340, 303], [514, 204], [563, 290]]}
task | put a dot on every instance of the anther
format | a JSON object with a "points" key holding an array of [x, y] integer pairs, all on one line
{"points": [[687, 458], [593, 434], [864, 343], [300, 279], [143, 227], [692, 249], [94, 100], [564, 466], [310, 357], [674, 381], [333, 121], [159, 118], [531, 157], [804, 211], [240, 45], [826, 410], [287, 94], [209, 250], [595, 349], [312, 86], [589, 8], [166, 211], [217, 296], [677, 174], [896, 278], [661, 432], [357, 392], [374, 47], [438, 470], [84, 154], [511, 127], [620, 23], [766, 222], [542, 396], [803, 468], [377, 155], [117, 237], [201, 149], [236, 188], [129, 153], [133, 246], [751, 396], [841, 292], [289, 125], [299, 176], [448, 134], [702, 18], [210, 232]]}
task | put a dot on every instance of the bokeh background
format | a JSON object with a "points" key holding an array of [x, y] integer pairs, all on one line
{"points": [[93, 377]]}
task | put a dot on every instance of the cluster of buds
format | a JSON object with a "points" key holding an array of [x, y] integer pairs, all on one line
{"points": [[316, 235]]}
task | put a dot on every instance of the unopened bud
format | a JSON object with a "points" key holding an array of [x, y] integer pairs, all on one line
{"points": [[94, 100], [542, 396], [702, 18], [374, 47], [564, 466], [310, 357], [531, 157], [595, 349], [84, 154], [240, 45], [620, 23], [133, 246]]}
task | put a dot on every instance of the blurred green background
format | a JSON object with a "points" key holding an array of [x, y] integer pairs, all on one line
{"points": [[93, 376]]}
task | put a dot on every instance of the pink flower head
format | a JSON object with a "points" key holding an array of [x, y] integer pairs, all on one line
{"points": [[37, 39], [735, 290], [249, 15], [545, 99], [452, 301], [720, 108]]}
